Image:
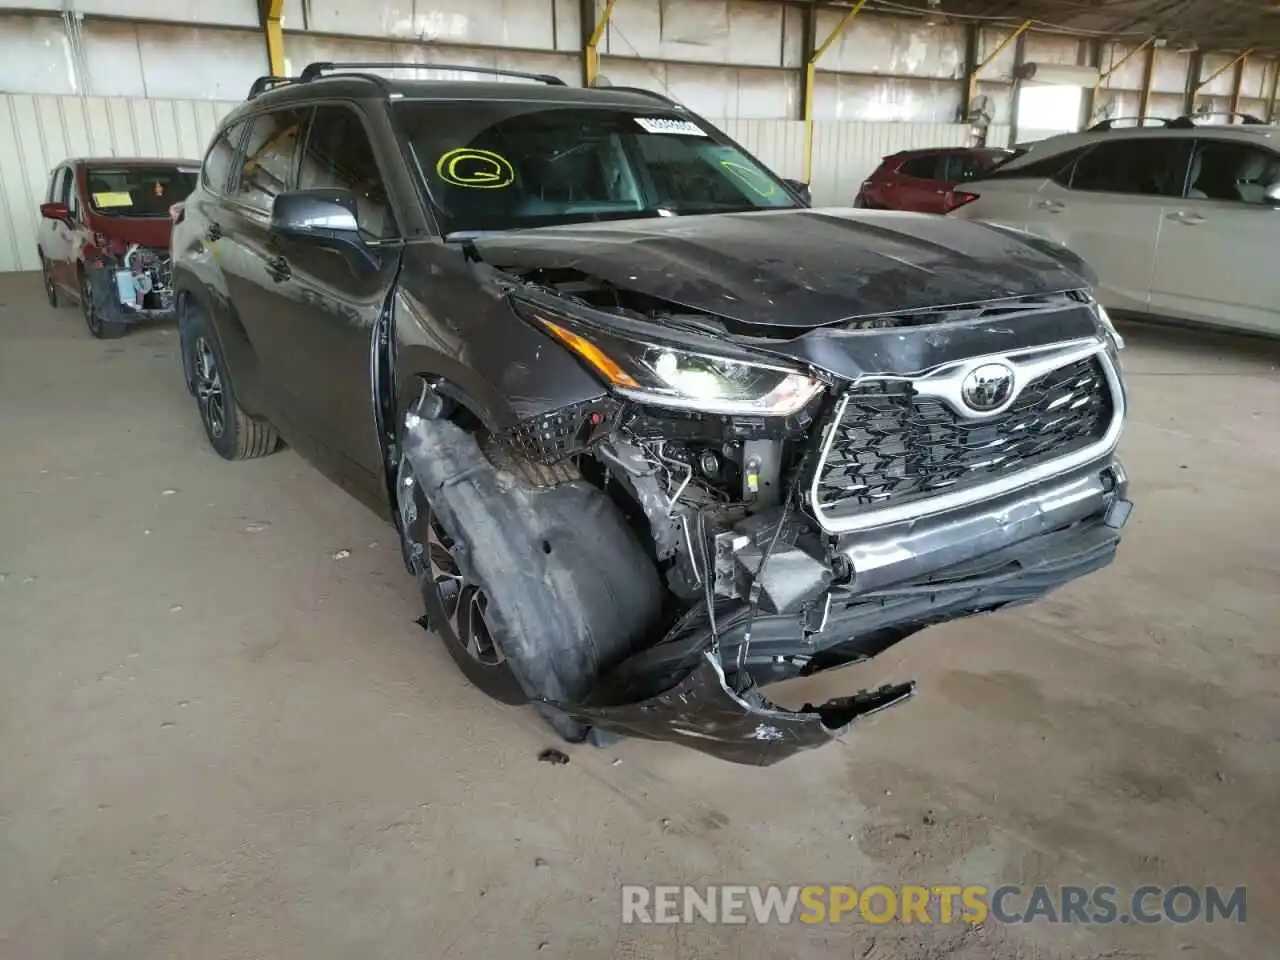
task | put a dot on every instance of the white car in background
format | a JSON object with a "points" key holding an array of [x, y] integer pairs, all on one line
{"points": [[1179, 222]]}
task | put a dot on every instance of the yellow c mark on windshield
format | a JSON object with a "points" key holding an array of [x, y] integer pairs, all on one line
{"points": [[754, 179], [477, 169]]}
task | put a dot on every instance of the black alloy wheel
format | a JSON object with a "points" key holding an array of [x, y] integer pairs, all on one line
{"points": [[50, 288], [209, 393], [91, 316], [456, 607]]}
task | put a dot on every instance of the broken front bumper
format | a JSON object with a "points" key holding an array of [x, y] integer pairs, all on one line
{"points": [[700, 686]]}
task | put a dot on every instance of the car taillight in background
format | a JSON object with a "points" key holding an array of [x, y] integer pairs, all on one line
{"points": [[958, 198]]}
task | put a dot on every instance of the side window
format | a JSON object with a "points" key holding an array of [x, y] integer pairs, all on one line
{"points": [[1056, 167], [338, 154], [269, 156], [1143, 167], [923, 168], [56, 180], [71, 196], [221, 155], [1231, 170], [961, 167]]}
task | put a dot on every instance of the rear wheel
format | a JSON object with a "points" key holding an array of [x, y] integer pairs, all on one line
{"points": [[103, 328], [232, 433]]}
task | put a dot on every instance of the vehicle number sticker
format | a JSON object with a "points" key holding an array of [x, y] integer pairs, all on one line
{"points": [[670, 125], [116, 198]]}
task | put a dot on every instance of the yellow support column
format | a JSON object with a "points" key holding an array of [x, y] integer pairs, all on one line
{"points": [[272, 30], [810, 78], [973, 77], [591, 51]]}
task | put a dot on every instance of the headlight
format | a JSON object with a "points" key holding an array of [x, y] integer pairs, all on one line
{"points": [[1104, 320], [670, 377]]}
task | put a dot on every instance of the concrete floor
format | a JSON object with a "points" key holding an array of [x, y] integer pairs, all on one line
{"points": [[219, 741]]}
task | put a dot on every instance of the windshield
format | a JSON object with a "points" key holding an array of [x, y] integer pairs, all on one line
{"points": [[500, 166], [138, 191]]}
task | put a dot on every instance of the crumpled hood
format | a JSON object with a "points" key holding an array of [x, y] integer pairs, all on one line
{"points": [[793, 268]]}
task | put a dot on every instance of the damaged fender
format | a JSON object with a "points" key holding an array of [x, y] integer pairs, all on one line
{"points": [[565, 617]]}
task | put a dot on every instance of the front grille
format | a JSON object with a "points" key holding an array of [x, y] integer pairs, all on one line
{"points": [[891, 445]]}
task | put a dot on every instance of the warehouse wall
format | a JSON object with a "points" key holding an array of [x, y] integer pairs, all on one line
{"points": [[38, 132], [120, 75]]}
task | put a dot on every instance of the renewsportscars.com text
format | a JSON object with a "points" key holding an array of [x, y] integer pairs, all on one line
{"points": [[917, 904]]}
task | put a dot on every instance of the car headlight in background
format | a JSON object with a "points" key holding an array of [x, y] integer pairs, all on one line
{"points": [[670, 377]]}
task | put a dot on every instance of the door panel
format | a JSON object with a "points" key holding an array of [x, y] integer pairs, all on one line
{"points": [[1215, 259], [1116, 234], [918, 185], [344, 293], [59, 237], [247, 251], [1109, 207]]}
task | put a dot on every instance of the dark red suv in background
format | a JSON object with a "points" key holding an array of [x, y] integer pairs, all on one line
{"points": [[925, 181], [104, 237]]}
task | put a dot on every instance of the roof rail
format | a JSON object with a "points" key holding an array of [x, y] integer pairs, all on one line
{"points": [[648, 93], [263, 84], [1247, 119], [314, 70], [1110, 124]]}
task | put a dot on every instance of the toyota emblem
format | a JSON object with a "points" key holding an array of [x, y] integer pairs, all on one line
{"points": [[987, 387]]}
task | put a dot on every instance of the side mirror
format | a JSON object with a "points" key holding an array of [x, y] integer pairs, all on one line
{"points": [[326, 216], [1273, 194], [55, 210], [801, 188]]}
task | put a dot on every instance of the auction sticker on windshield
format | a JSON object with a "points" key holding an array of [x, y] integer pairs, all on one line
{"points": [[671, 125]]}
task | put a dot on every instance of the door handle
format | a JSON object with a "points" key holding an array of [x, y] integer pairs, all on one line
{"points": [[1189, 219], [279, 269], [214, 231], [1053, 206]]}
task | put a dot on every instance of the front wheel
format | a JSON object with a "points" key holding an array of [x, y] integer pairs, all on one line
{"points": [[457, 609], [536, 591], [93, 306], [50, 286]]}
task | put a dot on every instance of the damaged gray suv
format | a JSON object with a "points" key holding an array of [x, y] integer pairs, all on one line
{"points": [[654, 433]]}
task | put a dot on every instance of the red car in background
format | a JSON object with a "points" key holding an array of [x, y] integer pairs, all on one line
{"points": [[925, 181], [104, 237]]}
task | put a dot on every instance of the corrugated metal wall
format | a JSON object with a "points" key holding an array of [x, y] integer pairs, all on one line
{"points": [[38, 132], [844, 152]]}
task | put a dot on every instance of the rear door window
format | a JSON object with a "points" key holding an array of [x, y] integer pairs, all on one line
{"points": [[1134, 166], [270, 154], [1025, 166], [924, 168], [221, 157], [1232, 170]]}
